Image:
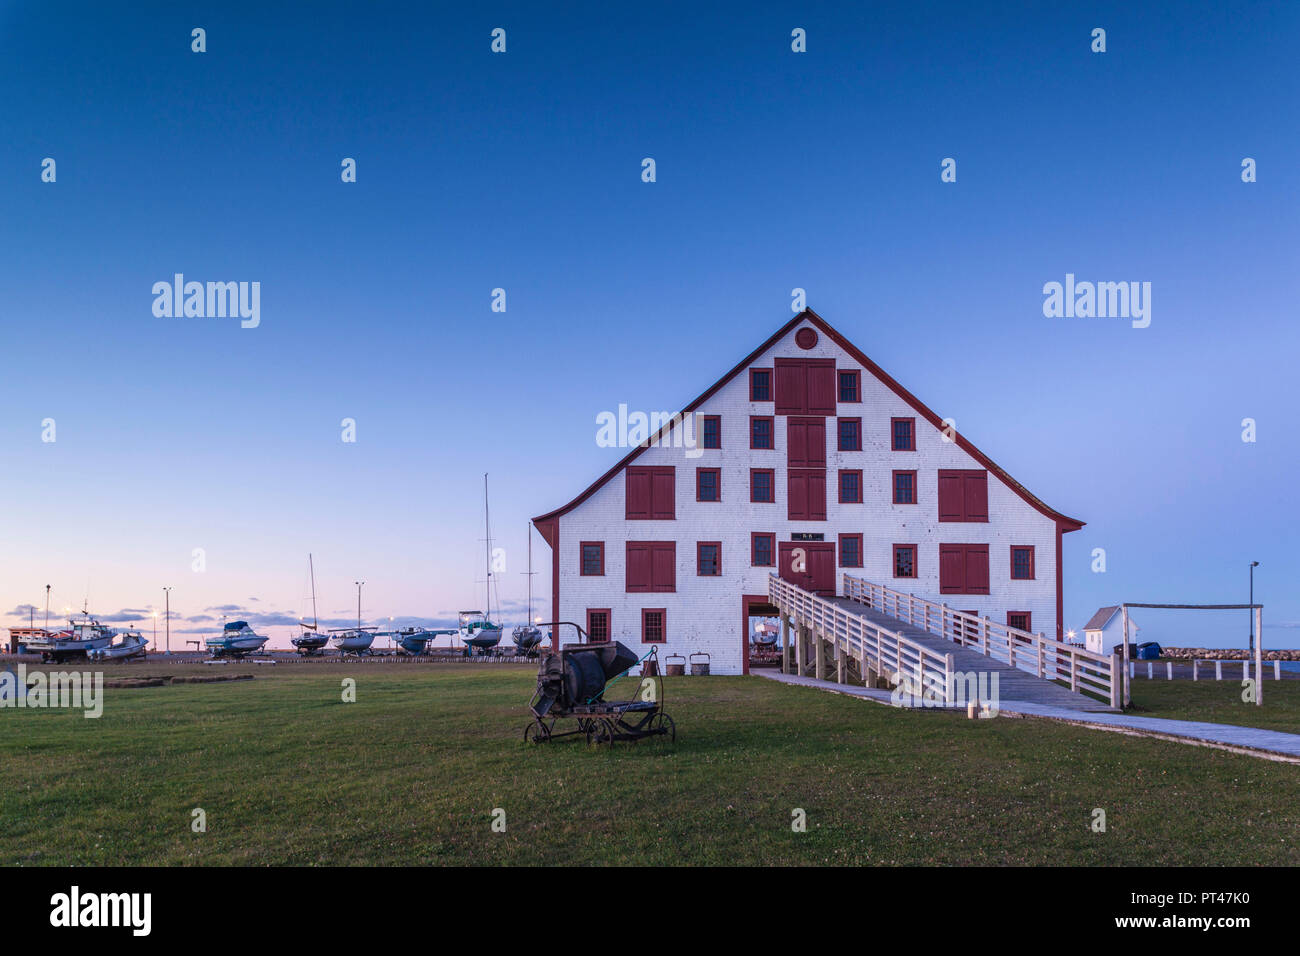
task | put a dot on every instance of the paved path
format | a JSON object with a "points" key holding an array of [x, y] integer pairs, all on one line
{"points": [[1268, 744], [1013, 683]]}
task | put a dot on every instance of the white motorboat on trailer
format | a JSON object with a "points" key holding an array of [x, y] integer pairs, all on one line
{"points": [[237, 639]]}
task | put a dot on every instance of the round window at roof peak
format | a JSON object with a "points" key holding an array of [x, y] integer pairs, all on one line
{"points": [[805, 338]]}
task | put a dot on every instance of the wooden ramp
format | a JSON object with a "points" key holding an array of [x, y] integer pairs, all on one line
{"points": [[946, 653], [1014, 684]]}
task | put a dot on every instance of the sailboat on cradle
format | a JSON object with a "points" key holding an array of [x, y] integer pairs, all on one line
{"points": [[477, 629], [311, 642]]}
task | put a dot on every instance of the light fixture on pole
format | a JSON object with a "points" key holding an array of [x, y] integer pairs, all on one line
{"points": [[168, 619]]}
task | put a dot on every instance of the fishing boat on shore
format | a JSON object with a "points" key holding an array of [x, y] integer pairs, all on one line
{"points": [[310, 642], [236, 640], [74, 642], [127, 645]]}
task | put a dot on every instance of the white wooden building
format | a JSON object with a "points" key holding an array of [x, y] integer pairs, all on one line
{"points": [[806, 443], [1105, 631]]}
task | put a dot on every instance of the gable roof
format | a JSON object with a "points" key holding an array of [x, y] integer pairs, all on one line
{"points": [[808, 315], [1099, 620]]}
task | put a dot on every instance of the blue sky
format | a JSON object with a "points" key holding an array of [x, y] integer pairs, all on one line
{"points": [[775, 170]]}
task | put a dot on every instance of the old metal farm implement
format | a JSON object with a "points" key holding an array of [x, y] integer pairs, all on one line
{"points": [[573, 683]]}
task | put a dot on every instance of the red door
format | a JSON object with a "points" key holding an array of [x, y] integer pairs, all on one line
{"points": [[805, 459], [818, 565]]}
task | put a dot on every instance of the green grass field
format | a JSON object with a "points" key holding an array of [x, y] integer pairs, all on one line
{"points": [[1219, 702], [410, 774]]}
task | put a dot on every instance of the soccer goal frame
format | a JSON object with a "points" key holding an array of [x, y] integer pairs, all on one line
{"points": [[1259, 637]]}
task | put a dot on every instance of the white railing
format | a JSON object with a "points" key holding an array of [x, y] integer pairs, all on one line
{"points": [[1083, 670], [880, 649]]}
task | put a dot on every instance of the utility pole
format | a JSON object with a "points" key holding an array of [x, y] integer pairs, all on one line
{"points": [[168, 619]]}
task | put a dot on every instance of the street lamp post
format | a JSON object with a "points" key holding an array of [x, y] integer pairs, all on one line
{"points": [[167, 617], [1253, 566]]}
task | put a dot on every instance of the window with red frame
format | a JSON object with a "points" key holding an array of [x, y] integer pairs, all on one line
{"points": [[904, 487], [712, 431], [762, 485], [1022, 562], [593, 558], [850, 434], [904, 560], [1022, 620], [850, 550], [708, 559], [760, 431], [762, 549], [850, 486], [760, 384], [850, 386], [598, 624], [654, 627], [902, 434], [708, 484]]}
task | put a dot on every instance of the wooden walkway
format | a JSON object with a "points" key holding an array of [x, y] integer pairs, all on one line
{"points": [[1013, 683]]}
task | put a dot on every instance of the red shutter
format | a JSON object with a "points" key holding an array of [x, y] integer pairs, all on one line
{"points": [[805, 442], [663, 497], [638, 493], [817, 495], [963, 495], [977, 496], [951, 503], [977, 569], [821, 387], [796, 495], [638, 566], [806, 494], [952, 569], [791, 387], [664, 563]]}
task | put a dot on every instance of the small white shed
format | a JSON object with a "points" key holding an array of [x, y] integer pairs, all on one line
{"points": [[1105, 631]]}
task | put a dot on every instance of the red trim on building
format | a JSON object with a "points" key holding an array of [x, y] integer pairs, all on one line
{"points": [[771, 485], [771, 393], [771, 539]]}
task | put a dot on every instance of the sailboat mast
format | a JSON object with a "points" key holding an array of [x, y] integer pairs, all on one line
{"points": [[487, 552], [529, 531], [47, 607], [312, 565]]}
